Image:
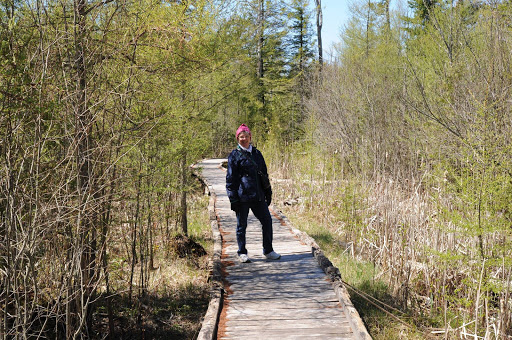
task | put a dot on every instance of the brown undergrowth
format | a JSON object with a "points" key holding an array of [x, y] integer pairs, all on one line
{"points": [[176, 293], [171, 308], [408, 244]]}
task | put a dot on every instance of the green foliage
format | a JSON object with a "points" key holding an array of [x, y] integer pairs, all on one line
{"points": [[415, 117], [103, 107], [301, 34], [423, 9]]}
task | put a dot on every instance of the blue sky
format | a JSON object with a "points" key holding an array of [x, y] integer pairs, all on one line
{"points": [[335, 14]]}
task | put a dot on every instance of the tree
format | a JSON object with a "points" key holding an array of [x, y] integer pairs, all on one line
{"points": [[266, 60], [423, 9], [83, 87], [319, 23], [385, 4], [300, 40], [429, 108]]}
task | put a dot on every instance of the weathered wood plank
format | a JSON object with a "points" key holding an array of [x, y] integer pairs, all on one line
{"points": [[269, 336], [267, 267], [282, 286], [284, 314], [268, 307], [297, 323], [283, 294], [274, 278], [285, 297], [279, 333], [277, 327]]}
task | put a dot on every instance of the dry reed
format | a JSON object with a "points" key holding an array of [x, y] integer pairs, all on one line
{"points": [[430, 262]]}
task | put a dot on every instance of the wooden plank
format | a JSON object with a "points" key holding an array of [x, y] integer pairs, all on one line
{"points": [[296, 323], [297, 328], [286, 314], [271, 318], [338, 321], [290, 297], [281, 294], [277, 274], [307, 275], [270, 268], [258, 336], [268, 265], [289, 258], [282, 287], [315, 332], [325, 301], [272, 304], [288, 329], [277, 279]]}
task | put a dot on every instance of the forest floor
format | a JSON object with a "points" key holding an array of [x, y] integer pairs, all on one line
{"points": [[178, 294]]}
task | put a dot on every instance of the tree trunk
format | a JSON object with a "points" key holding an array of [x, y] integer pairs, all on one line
{"points": [[184, 172], [79, 284], [368, 28], [104, 262], [319, 23], [261, 32], [150, 227], [134, 234], [388, 19]]}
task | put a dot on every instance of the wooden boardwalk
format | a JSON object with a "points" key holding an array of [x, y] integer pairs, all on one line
{"points": [[291, 298]]}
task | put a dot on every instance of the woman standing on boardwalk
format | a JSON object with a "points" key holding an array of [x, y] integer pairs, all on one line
{"points": [[248, 187]]}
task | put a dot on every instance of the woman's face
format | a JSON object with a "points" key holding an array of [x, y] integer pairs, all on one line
{"points": [[244, 139]]}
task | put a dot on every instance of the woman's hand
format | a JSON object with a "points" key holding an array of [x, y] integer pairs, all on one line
{"points": [[268, 196]]}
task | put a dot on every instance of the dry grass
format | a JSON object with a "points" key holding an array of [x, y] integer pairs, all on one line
{"points": [[404, 243]]}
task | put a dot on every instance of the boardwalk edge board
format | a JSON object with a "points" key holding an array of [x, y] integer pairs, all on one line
{"points": [[211, 319], [334, 273]]}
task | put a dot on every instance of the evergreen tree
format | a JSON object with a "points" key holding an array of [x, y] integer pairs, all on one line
{"points": [[266, 61], [300, 37], [423, 9]]}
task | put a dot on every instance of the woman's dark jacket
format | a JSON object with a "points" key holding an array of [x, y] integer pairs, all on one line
{"points": [[242, 181]]}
